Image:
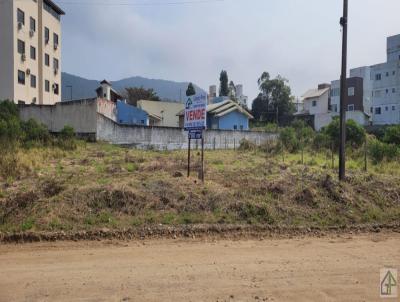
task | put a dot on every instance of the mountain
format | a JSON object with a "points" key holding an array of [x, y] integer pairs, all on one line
{"points": [[84, 88]]}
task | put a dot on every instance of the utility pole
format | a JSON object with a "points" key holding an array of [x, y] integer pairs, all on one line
{"points": [[342, 151]]}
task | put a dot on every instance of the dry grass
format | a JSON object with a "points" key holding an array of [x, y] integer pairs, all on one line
{"points": [[99, 185]]}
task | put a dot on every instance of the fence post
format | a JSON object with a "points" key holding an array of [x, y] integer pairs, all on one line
{"points": [[234, 144], [365, 155], [214, 143]]}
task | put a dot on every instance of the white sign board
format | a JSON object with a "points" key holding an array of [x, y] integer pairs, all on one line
{"points": [[196, 112]]}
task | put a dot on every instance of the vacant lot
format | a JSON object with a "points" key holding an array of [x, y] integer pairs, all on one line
{"points": [[312, 269], [104, 186]]}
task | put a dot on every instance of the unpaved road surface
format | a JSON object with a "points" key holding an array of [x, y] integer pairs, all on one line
{"points": [[344, 268]]}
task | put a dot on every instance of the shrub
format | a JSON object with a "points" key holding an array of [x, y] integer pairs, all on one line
{"points": [[67, 132], [35, 132], [66, 139], [380, 151], [288, 139], [246, 145], [392, 135], [355, 134]]}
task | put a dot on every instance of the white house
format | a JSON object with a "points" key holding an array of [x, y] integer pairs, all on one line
{"points": [[316, 106]]}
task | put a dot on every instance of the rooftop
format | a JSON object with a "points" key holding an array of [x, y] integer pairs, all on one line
{"points": [[54, 6]]}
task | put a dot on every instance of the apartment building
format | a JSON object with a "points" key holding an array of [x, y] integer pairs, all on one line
{"points": [[358, 100], [30, 51], [386, 86]]}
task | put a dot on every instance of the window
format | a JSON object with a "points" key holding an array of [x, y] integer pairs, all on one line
{"points": [[33, 53], [20, 16], [21, 47], [33, 81], [235, 127], [314, 103], [393, 90], [372, 109], [55, 40], [350, 91], [378, 110], [387, 91], [46, 59], [241, 127], [386, 108], [350, 107], [334, 107], [46, 35], [394, 72], [47, 86], [378, 77], [377, 93], [387, 74], [55, 64], [32, 24], [393, 108], [21, 77], [55, 88]]}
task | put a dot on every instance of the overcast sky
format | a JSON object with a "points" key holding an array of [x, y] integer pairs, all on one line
{"points": [[298, 39]]}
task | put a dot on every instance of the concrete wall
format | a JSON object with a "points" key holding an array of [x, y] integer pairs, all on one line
{"points": [[162, 138], [81, 115]]}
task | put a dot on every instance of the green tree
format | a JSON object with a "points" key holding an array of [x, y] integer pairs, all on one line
{"points": [[135, 94], [274, 99], [223, 84], [190, 90], [355, 134]]}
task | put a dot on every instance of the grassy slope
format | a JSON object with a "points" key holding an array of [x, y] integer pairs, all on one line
{"points": [[100, 185]]}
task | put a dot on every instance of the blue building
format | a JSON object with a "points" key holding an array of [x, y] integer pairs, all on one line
{"points": [[130, 115], [224, 115], [227, 115]]}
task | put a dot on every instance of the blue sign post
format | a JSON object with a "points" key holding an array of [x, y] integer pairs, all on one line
{"points": [[195, 123]]}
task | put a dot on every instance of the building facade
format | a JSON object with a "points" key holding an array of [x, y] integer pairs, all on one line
{"points": [[316, 106], [162, 114], [30, 51], [358, 99], [386, 86]]}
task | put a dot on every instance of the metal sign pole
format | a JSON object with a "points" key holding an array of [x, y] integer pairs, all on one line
{"points": [[188, 165], [202, 158]]}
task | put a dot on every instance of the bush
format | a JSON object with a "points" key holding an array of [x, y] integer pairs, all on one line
{"points": [[288, 139], [355, 134], [35, 132], [392, 135], [246, 145], [380, 151], [66, 140], [67, 132]]}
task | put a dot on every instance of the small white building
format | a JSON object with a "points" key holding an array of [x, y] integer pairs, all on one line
{"points": [[316, 106]]}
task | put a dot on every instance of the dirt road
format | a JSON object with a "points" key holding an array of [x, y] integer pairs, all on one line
{"points": [[330, 269]]}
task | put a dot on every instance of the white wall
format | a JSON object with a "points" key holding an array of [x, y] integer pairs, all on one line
{"points": [[321, 106]]}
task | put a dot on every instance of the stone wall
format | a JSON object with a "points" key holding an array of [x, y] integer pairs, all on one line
{"points": [[163, 138]]}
